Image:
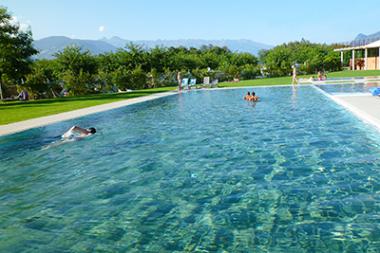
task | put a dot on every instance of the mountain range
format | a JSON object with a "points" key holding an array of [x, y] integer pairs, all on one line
{"points": [[49, 46], [373, 36]]}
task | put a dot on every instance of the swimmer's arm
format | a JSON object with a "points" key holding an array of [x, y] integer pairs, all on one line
{"points": [[68, 132]]}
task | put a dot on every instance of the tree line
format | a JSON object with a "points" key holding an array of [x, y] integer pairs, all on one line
{"points": [[75, 71], [310, 58]]}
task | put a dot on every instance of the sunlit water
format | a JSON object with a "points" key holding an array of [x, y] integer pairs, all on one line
{"points": [[204, 171]]}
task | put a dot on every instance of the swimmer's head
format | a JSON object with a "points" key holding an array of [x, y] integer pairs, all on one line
{"points": [[248, 93], [92, 130], [253, 93]]}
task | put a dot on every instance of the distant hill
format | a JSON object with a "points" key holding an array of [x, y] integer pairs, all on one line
{"points": [[234, 45], [49, 46], [370, 37]]}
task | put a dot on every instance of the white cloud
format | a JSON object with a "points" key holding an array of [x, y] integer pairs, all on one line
{"points": [[102, 28]]}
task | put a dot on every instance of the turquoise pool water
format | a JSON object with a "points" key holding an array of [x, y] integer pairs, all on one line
{"points": [[349, 88], [202, 172]]}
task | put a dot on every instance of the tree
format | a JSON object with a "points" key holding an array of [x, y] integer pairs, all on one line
{"points": [[278, 61], [121, 78], [158, 58], [138, 79], [313, 57], [249, 71], [16, 50], [78, 69], [132, 57], [241, 59], [231, 71], [332, 62], [133, 79], [73, 59], [43, 80], [78, 83], [154, 78]]}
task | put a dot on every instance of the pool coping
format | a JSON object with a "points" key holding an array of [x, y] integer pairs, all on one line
{"points": [[20, 126]]}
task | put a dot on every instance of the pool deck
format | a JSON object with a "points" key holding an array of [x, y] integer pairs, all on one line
{"points": [[43, 121]]}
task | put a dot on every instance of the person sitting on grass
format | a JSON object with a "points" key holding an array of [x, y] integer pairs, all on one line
{"points": [[248, 96], [76, 132], [23, 96]]}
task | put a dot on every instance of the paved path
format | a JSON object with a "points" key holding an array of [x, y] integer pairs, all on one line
{"points": [[42, 121]]}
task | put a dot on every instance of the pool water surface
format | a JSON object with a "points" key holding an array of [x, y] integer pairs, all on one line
{"points": [[203, 171], [349, 88]]}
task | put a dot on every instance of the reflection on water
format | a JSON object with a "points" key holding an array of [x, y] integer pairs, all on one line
{"points": [[203, 171], [294, 95]]}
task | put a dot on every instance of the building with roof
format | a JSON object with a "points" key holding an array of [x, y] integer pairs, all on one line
{"points": [[365, 57]]}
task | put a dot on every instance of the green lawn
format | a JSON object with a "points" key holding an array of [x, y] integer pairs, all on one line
{"points": [[357, 73], [288, 79], [18, 111], [258, 82]]}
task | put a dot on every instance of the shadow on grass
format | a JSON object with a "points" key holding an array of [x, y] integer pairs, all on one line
{"points": [[99, 97]]}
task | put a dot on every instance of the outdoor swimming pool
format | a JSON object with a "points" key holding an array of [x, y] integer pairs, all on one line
{"points": [[203, 171]]}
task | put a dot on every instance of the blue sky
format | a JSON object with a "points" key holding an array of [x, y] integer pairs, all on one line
{"points": [[269, 21]]}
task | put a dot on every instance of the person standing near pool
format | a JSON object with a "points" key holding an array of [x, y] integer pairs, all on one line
{"points": [[78, 132], [179, 80], [294, 76]]}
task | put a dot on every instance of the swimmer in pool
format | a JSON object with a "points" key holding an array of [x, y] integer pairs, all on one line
{"points": [[78, 132], [254, 98], [248, 96], [75, 133]]}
